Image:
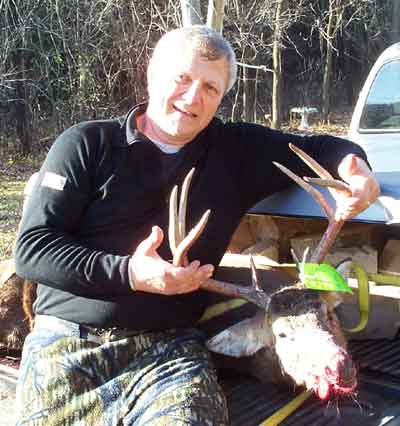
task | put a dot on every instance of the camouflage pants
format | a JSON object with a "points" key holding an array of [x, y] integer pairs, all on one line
{"points": [[154, 379]]}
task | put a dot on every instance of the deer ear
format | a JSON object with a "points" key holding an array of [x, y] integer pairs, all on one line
{"points": [[242, 339], [334, 299]]}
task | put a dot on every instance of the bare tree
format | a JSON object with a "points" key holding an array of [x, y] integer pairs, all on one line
{"points": [[215, 14], [191, 12], [395, 33], [333, 17], [64, 61], [277, 67]]}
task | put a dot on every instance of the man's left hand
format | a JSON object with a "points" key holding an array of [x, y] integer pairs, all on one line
{"points": [[363, 185]]}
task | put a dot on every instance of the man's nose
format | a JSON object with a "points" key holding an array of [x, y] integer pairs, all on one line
{"points": [[192, 94]]}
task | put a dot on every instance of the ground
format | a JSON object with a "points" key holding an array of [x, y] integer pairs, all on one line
{"points": [[14, 172]]}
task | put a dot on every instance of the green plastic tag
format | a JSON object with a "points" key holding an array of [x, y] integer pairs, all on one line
{"points": [[321, 276]]}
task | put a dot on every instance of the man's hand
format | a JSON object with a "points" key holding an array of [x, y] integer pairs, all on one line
{"points": [[363, 184], [152, 274]]}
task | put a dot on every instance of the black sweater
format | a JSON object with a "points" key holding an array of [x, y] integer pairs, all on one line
{"points": [[102, 188]]}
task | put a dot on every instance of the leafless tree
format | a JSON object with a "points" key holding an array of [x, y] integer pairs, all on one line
{"points": [[395, 33], [63, 61]]}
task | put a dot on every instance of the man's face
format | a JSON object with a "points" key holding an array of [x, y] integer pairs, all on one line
{"points": [[184, 95]]}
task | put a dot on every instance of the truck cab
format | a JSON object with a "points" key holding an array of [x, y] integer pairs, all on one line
{"points": [[375, 123]]}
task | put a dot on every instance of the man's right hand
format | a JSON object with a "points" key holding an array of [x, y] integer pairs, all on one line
{"points": [[152, 274]]}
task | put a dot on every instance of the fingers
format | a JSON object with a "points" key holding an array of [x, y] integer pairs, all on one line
{"points": [[349, 208], [364, 194], [352, 165], [186, 279], [149, 273], [363, 185], [152, 242]]}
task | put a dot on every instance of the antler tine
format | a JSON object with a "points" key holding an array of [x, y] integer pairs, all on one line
{"points": [[183, 204], [325, 178], [318, 197], [318, 169], [258, 297], [179, 242], [254, 276], [173, 231], [329, 183], [184, 246]]}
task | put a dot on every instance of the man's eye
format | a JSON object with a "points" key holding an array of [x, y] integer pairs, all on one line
{"points": [[212, 89], [182, 78]]}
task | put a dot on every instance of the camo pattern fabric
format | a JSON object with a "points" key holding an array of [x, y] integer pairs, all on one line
{"points": [[150, 379]]}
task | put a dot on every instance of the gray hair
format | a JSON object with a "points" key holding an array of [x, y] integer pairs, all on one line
{"points": [[202, 41]]}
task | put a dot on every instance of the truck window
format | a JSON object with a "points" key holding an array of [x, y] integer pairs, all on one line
{"points": [[382, 108]]}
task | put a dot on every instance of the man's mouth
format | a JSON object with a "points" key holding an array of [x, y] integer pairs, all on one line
{"points": [[184, 111]]}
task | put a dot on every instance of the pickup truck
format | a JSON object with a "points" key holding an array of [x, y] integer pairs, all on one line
{"points": [[375, 126]]}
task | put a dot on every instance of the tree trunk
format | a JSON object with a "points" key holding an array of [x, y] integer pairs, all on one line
{"points": [[191, 12], [247, 104], [277, 67], [395, 33], [21, 106], [215, 14], [235, 107], [255, 97], [326, 84]]}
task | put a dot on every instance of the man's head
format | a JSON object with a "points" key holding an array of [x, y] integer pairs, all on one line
{"points": [[190, 71]]}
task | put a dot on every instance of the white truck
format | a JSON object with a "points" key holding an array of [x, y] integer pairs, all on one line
{"points": [[375, 125]]}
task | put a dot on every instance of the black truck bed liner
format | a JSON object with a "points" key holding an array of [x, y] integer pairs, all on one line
{"points": [[376, 403]]}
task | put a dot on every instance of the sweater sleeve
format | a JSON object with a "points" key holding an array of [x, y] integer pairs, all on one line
{"points": [[257, 147], [47, 248]]}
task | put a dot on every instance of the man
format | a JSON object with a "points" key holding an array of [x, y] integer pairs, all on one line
{"points": [[114, 339]]}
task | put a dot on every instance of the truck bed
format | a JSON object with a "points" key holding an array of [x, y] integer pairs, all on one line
{"points": [[376, 403]]}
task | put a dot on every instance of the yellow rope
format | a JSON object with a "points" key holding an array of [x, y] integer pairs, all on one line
{"points": [[219, 308], [280, 415], [363, 297], [385, 279]]}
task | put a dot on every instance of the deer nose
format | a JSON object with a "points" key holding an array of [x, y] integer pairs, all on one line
{"points": [[346, 372]]}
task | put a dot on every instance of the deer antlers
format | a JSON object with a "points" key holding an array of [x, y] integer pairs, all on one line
{"points": [[180, 243], [326, 179]]}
